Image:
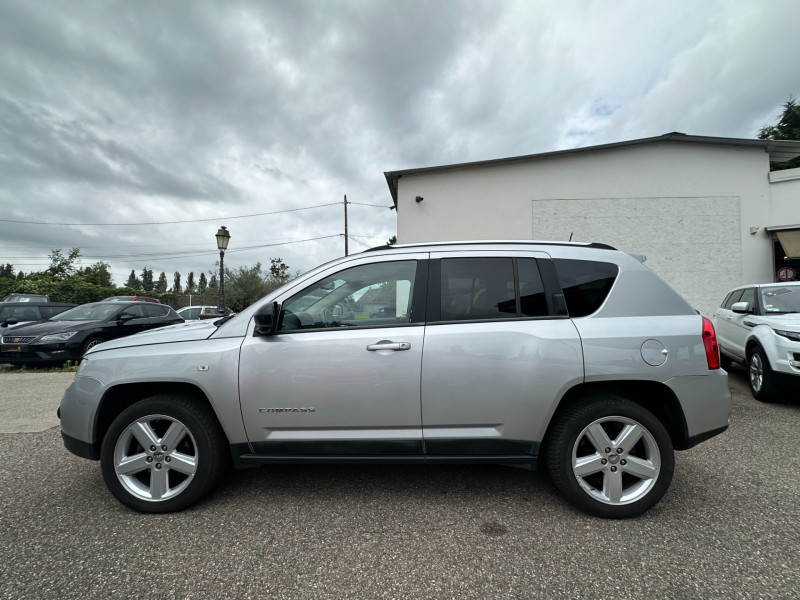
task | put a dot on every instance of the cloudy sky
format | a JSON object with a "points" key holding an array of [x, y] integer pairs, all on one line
{"points": [[133, 130]]}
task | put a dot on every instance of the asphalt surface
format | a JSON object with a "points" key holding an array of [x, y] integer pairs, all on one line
{"points": [[728, 528]]}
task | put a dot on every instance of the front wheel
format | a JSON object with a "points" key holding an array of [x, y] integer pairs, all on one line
{"points": [[610, 457], [162, 454], [761, 379]]}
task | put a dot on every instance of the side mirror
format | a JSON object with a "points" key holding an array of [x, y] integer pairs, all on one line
{"points": [[8, 322], [267, 319], [742, 308], [125, 318]]}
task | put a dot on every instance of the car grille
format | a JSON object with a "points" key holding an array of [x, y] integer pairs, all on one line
{"points": [[10, 339]]}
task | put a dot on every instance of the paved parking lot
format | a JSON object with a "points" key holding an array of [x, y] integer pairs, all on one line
{"points": [[728, 528]]}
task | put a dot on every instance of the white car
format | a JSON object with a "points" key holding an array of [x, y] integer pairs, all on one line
{"points": [[192, 313], [759, 326]]}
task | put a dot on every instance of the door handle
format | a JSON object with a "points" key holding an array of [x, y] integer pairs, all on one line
{"points": [[388, 345]]}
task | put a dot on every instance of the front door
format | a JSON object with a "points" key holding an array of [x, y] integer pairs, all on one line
{"points": [[342, 374]]}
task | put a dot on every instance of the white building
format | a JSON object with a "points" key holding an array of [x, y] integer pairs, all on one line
{"points": [[707, 212]]}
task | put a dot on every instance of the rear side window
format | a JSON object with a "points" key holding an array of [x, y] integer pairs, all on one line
{"points": [[155, 310], [478, 288], [532, 300], [586, 284]]}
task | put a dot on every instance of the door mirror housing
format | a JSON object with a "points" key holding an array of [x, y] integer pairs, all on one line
{"points": [[742, 308], [125, 318], [267, 319]]}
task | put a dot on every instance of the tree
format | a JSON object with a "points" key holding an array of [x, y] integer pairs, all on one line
{"points": [[97, 274], [203, 284], [62, 266], [213, 286], [7, 271], [147, 279], [162, 285], [190, 285], [392, 240], [20, 276], [278, 270], [786, 128], [176, 283], [133, 281]]}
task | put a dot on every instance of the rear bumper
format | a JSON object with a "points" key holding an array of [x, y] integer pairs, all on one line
{"points": [[81, 448], [706, 404]]}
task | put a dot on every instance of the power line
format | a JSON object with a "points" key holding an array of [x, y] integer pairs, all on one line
{"points": [[275, 212]]}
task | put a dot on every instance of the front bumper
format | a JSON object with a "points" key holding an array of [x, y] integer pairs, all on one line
{"points": [[27, 354]]}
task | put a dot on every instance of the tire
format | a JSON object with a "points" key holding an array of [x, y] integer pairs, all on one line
{"points": [[585, 462], [760, 377], [163, 453], [91, 343]]}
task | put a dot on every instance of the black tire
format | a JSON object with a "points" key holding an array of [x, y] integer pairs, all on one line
{"points": [[150, 478], [760, 376], [91, 343], [601, 480]]}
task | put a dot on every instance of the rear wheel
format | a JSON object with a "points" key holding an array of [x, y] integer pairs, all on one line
{"points": [[761, 379], [610, 457], [162, 454]]}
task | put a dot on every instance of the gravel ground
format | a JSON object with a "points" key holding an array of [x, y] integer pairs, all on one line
{"points": [[728, 528]]}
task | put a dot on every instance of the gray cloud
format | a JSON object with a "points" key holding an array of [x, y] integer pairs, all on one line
{"points": [[152, 111]]}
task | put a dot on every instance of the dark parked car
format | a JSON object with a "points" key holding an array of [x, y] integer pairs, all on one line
{"points": [[131, 299], [27, 298], [20, 313], [67, 336]]}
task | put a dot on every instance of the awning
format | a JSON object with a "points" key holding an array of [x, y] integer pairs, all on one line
{"points": [[789, 237]]}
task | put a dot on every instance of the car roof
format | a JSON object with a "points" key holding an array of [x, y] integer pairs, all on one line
{"points": [[771, 284]]}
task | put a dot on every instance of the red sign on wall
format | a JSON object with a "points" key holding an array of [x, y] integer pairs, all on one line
{"points": [[786, 274]]}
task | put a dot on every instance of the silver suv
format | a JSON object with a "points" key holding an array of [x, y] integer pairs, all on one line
{"points": [[575, 356]]}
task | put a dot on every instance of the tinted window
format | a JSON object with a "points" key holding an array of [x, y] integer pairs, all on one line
{"points": [[749, 296], [136, 311], [155, 310], [531, 291], [478, 288], [375, 295], [732, 298], [585, 283], [20, 313]]}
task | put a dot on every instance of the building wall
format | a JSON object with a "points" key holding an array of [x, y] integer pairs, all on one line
{"points": [[688, 207]]}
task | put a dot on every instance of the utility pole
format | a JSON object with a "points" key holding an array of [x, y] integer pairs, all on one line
{"points": [[345, 225]]}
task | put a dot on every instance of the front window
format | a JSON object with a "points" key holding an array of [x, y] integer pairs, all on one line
{"points": [[780, 299], [372, 295]]}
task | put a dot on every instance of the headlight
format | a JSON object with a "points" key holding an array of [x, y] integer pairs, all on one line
{"points": [[792, 335], [57, 337]]}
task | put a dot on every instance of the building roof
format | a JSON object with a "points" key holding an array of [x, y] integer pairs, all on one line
{"points": [[778, 150]]}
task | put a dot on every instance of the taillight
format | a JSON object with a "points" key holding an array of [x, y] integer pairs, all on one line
{"points": [[710, 343]]}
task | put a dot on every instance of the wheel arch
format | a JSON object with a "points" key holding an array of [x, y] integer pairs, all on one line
{"points": [[651, 395], [120, 397]]}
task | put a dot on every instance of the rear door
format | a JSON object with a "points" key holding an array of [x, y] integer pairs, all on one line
{"points": [[497, 358]]}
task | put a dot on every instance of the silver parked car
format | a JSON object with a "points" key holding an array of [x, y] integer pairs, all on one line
{"points": [[573, 356], [759, 326]]}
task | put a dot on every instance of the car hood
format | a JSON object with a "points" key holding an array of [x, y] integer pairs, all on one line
{"points": [[790, 321], [46, 327], [182, 332]]}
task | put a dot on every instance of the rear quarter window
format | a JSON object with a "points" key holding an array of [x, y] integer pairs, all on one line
{"points": [[586, 284]]}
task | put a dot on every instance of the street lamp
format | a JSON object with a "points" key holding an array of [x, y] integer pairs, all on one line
{"points": [[222, 243]]}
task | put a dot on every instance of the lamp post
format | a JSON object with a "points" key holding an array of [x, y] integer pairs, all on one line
{"points": [[222, 243]]}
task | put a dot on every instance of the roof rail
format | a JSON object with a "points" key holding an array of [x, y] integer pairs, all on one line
{"points": [[595, 245]]}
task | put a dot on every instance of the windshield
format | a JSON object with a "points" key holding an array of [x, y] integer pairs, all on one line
{"points": [[781, 299], [87, 312]]}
